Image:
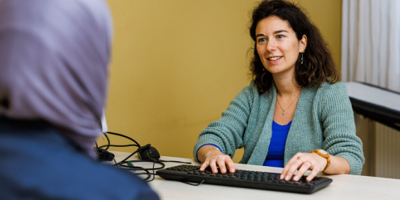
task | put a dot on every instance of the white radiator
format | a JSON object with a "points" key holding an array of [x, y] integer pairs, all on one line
{"points": [[387, 152]]}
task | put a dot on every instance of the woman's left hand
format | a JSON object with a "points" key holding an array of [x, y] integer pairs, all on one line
{"points": [[302, 162]]}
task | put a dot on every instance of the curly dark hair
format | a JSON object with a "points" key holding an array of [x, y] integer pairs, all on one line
{"points": [[318, 65]]}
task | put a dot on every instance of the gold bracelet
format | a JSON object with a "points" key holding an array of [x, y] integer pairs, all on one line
{"points": [[202, 154]]}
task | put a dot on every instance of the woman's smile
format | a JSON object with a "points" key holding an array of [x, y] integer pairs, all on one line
{"points": [[274, 59]]}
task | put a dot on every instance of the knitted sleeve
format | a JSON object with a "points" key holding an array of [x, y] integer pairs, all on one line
{"points": [[227, 132], [340, 137]]}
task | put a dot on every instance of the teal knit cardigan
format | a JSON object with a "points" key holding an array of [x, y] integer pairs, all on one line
{"points": [[323, 119]]}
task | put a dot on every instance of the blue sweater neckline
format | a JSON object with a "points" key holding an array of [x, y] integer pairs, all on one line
{"points": [[280, 127]]}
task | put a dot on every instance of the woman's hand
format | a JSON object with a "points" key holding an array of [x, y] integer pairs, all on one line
{"points": [[211, 156], [302, 162]]}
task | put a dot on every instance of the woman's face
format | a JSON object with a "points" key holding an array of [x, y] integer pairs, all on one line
{"points": [[277, 45]]}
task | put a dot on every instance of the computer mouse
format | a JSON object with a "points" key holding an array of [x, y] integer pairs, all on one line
{"points": [[149, 153]]}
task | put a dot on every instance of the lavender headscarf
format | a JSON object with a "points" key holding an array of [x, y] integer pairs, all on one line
{"points": [[54, 57]]}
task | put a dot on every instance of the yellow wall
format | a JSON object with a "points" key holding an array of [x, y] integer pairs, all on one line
{"points": [[327, 16], [178, 63]]}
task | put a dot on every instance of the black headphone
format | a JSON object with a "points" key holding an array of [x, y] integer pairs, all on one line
{"points": [[149, 153], [104, 155]]}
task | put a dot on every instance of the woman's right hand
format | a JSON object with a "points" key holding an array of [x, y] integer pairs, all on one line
{"points": [[211, 156]]}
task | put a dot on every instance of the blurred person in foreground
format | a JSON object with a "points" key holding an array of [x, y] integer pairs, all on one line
{"points": [[54, 58]]}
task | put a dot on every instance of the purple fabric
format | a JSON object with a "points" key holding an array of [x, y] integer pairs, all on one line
{"points": [[54, 57]]}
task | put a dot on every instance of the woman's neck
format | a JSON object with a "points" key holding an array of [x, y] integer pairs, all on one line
{"points": [[287, 86]]}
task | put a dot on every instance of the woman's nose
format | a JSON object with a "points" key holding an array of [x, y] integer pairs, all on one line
{"points": [[271, 46]]}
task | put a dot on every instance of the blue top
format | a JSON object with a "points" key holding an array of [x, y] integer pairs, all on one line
{"points": [[276, 148]]}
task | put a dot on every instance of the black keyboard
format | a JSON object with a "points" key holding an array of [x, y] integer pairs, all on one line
{"points": [[243, 178]]}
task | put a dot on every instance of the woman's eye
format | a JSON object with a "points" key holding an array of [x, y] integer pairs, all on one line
{"points": [[261, 40], [279, 36]]}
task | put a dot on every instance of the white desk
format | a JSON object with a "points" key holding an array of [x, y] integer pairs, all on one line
{"points": [[343, 187]]}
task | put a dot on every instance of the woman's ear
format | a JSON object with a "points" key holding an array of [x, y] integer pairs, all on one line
{"points": [[303, 44]]}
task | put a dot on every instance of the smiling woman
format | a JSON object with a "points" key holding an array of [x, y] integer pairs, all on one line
{"points": [[277, 46], [293, 114], [316, 54]]}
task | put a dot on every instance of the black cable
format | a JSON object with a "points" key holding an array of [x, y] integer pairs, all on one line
{"points": [[176, 161], [103, 154], [127, 164], [149, 175], [137, 161], [138, 168], [140, 148], [194, 184], [154, 174], [114, 145], [112, 133], [129, 138], [108, 140], [115, 162], [154, 162]]}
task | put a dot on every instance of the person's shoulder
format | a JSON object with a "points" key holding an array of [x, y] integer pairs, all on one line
{"points": [[332, 91], [333, 87], [251, 88], [249, 93], [252, 85]]}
